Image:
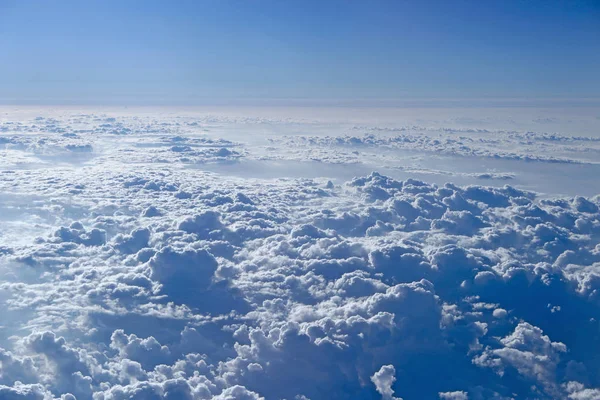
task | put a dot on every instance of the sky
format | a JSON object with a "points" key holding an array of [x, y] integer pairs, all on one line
{"points": [[107, 51]]}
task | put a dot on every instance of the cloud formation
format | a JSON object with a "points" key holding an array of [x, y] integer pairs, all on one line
{"points": [[166, 281]]}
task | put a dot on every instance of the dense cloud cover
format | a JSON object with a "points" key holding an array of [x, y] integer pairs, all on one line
{"points": [[164, 281]]}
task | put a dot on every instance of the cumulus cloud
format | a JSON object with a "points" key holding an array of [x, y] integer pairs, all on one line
{"points": [[169, 281], [383, 380]]}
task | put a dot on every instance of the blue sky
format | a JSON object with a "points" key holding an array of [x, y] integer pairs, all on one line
{"points": [[107, 51]]}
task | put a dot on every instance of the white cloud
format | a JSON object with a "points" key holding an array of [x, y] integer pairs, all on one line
{"points": [[133, 272], [383, 380]]}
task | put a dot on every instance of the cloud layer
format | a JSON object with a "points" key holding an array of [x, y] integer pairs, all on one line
{"points": [[152, 279]]}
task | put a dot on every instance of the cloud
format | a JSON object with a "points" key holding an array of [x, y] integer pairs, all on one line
{"points": [[383, 380], [165, 280]]}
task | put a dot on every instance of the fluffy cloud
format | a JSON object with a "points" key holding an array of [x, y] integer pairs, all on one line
{"points": [[383, 380], [168, 281]]}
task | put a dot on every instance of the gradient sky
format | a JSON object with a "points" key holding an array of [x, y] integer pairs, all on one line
{"points": [[105, 51]]}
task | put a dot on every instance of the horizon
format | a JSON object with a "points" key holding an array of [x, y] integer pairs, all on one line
{"points": [[417, 102]]}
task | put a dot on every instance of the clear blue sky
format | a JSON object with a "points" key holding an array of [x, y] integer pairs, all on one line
{"points": [[186, 51]]}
